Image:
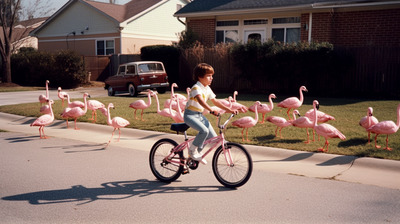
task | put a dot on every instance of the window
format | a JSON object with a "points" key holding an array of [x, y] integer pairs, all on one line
{"points": [[225, 32], [131, 69], [228, 23], [286, 20], [227, 36], [286, 35], [105, 47], [286, 30], [255, 22]]}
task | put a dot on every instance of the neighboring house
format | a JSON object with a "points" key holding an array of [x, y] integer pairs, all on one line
{"points": [[352, 23], [21, 38], [96, 28]]}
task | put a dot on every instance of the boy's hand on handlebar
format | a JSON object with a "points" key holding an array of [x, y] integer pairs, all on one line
{"points": [[235, 112], [214, 113]]}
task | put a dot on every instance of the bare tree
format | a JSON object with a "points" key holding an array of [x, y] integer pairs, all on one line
{"points": [[9, 10]]}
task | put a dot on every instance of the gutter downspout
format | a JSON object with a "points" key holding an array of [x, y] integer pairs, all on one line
{"points": [[309, 27], [179, 19]]}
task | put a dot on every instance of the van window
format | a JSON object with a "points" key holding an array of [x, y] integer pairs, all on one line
{"points": [[131, 69]]}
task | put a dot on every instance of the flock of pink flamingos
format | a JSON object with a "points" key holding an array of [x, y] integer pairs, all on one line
{"points": [[174, 108]]}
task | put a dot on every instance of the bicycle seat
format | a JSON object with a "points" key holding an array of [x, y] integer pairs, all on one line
{"points": [[179, 127]]}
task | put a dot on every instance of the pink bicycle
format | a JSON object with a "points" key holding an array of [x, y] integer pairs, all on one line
{"points": [[232, 164]]}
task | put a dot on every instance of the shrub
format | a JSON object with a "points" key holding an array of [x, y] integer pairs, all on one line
{"points": [[31, 68]]}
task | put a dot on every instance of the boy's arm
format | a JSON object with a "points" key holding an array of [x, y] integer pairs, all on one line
{"points": [[217, 103], [202, 102]]}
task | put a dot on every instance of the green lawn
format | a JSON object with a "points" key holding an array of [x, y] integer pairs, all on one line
{"points": [[347, 112]]}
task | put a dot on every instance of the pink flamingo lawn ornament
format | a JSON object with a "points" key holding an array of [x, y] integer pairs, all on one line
{"points": [[321, 116], [44, 120], [238, 106], [94, 105], [176, 115], [181, 99], [367, 121], [326, 130], [293, 102], [280, 123], [164, 112], [44, 98], [116, 123], [264, 108], [61, 95], [303, 122], [387, 128], [141, 105], [46, 109], [75, 112], [247, 122], [75, 103]]}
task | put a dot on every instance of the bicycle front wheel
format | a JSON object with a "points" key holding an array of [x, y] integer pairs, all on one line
{"points": [[237, 173], [164, 166]]}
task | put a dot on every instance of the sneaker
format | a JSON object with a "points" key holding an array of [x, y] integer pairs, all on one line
{"points": [[194, 154]]}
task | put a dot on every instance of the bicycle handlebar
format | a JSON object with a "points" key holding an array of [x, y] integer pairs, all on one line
{"points": [[226, 122]]}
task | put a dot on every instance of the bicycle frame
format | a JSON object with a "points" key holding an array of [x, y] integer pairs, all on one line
{"points": [[215, 141]]}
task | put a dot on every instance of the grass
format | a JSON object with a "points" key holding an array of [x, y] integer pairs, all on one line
{"points": [[347, 112]]}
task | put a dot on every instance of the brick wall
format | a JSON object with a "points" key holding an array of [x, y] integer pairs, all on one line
{"points": [[355, 29], [205, 28]]}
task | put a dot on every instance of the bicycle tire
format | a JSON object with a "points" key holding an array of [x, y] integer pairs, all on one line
{"points": [[239, 173], [162, 170]]}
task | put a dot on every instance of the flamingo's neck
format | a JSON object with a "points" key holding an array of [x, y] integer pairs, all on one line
{"points": [[47, 90], [172, 91], [51, 110], [398, 116], [68, 99], [271, 104], [84, 100], [301, 96], [315, 116], [149, 101], [158, 104], [256, 112], [108, 115]]}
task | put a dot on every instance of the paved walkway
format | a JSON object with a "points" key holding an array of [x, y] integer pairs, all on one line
{"points": [[378, 172]]}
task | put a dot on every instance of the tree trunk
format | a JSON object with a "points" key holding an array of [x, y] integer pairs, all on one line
{"points": [[7, 69]]}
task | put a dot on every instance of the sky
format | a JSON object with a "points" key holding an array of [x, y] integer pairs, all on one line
{"points": [[54, 5]]}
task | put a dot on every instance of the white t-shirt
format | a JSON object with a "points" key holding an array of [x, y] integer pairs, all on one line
{"points": [[198, 89]]}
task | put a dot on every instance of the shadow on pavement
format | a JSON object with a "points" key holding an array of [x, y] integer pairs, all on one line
{"points": [[108, 191]]}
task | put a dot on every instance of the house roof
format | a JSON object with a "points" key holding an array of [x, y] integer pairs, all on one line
{"points": [[122, 13], [215, 7], [21, 29], [119, 13]]}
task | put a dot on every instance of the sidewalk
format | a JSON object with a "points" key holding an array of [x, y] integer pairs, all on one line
{"points": [[378, 172]]}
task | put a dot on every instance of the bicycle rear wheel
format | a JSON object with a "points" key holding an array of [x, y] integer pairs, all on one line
{"points": [[236, 174], [162, 169]]}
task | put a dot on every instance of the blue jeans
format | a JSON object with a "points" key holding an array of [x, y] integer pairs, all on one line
{"points": [[200, 123]]}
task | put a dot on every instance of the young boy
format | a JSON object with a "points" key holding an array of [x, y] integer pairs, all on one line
{"points": [[197, 102]]}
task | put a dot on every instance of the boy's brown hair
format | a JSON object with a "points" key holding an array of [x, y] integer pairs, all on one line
{"points": [[201, 70]]}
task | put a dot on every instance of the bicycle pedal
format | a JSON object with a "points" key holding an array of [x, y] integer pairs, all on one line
{"points": [[185, 171]]}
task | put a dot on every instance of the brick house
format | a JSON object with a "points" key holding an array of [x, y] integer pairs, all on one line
{"points": [[353, 23], [96, 28]]}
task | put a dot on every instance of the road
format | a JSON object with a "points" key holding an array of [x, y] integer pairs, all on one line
{"points": [[73, 178], [60, 180]]}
